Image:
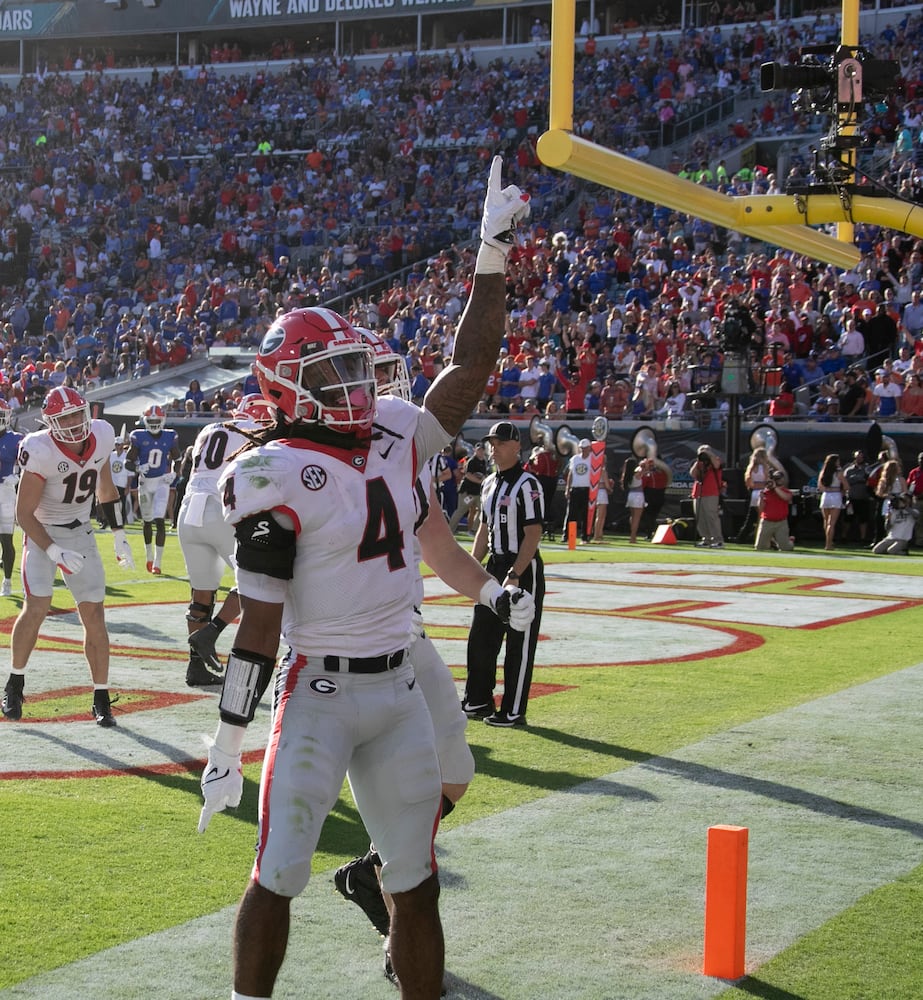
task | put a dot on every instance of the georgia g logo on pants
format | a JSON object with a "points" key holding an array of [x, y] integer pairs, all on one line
{"points": [[324, 685]]}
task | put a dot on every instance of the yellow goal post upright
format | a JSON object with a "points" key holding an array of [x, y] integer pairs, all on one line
{"points": [[784, 220]]}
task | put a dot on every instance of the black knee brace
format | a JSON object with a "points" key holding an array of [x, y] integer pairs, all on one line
{"points": [[200, 614]]}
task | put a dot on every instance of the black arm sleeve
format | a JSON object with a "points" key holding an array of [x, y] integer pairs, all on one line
{"points": [[264, 546], [113, 511]]}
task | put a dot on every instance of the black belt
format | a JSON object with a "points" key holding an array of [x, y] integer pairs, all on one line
{"points": [[73, 524], [364, 664]]}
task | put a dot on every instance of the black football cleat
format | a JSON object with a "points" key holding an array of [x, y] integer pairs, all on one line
{"points": [[357, 881], [102, 710], [198, 674], [13, 699], [503, 720]]}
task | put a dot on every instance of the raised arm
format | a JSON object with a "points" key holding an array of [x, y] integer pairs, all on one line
{"points": [[455, 393]]}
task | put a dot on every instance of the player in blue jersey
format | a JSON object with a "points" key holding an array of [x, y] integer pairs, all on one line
{"points": [[153, 450], [9, 477]]}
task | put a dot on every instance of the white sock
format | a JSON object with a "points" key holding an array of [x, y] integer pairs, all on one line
{"points": [[18, 671], [158, 555], [245, 996], [101, 687], [149, 552]]}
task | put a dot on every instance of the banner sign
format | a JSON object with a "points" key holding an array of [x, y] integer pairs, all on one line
{"points": [[99, 19]]}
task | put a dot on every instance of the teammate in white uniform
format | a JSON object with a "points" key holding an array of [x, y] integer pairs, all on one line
{"points": [[324, 519], [207, 540], [9, 477], [154, 450], [63, 468], [118, 463]]}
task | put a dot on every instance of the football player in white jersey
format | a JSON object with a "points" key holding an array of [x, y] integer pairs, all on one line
{"points": [[324, 518], [63, 468], [153, 449], [207, 540], [9, 477], [121, 477], [359, 879]]}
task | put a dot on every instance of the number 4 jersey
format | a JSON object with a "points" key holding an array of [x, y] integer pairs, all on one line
{"points": [[70, 480], [353, 513]]}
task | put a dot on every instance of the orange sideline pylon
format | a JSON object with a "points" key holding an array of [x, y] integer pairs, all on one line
{"points": [[572, 534], [725, 902]]}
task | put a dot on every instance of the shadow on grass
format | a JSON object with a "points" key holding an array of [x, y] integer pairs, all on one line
{"points": [[757, 988], [701, 774]]}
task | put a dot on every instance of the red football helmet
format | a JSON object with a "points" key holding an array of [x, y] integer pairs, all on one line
{"points": [[61, 403], [154, 418], [390, 368], [315, 368], [254, 407], [6, 415]]}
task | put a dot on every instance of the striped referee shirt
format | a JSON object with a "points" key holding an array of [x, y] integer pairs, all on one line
{"points": [[509, 501]]}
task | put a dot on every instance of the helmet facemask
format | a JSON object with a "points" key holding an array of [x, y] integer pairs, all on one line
{"points": [[71, 432], [335, 388]]}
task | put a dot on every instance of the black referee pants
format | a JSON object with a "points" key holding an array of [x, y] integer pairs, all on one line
{"points": [[486, 638], [578, 508]]}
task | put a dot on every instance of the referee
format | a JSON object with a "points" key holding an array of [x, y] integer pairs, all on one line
{"points": [[510, 529]]}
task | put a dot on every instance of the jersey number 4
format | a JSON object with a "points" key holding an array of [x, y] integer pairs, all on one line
{"points": [[382, 535]]}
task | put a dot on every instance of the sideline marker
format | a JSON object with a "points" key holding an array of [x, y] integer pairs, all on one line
{"points": [[725, 901], [572, 535], [664, 535]]}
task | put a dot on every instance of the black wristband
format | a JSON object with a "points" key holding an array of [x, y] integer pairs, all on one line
{"points": [[113, 511]]}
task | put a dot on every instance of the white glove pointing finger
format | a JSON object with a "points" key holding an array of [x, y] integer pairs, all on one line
{"points": [[222, 784], [503, 208]]}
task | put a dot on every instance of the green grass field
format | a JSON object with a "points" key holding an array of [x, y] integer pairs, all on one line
{"points": [[93, 861]]}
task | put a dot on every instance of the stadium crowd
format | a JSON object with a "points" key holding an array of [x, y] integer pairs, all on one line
{"points": [[146, 223]]}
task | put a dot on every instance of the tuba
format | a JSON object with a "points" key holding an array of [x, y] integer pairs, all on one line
{"points": [[566, 441], [644, 443], [766, 436], [644, 446], [876, 443], [461, 445], [541, 433]]}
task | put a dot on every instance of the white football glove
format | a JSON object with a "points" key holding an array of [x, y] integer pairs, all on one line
{"points": [[503, 210], [222, 784], [522, 608], [143, 470], [417, 628], [122, 549], [512, 605], [68, 560]]}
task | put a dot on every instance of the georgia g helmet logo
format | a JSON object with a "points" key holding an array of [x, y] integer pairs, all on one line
{"points": [[314, 367], [273, 339]]}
